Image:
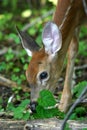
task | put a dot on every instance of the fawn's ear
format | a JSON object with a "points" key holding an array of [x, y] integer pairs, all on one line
{"points": [[27, 42], [52, 38]]}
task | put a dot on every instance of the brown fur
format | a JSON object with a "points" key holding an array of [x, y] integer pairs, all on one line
{"points": [[76, 15], [36, 60]]}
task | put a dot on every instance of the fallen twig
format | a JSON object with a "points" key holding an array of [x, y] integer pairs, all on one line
{"points": [[6, 114], [80, 67], [5, 50], [80, 99], [8, 83]]}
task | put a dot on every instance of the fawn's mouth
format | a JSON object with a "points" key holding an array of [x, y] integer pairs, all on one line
{"points": [[32, 106]]}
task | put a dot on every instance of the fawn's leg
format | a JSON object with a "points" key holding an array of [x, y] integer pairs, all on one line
{"points": [[66, 98]]}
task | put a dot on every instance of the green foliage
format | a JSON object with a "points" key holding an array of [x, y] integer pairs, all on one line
{"points": [[14, 37], [4, 19], [78, 113], [77, 90], [1, 108], [20, 112], [83, 45], [83, 31], [46, 100], [9, 55], [12, 3], [67, 127], [83, 48], [2, 66], [43, 113], [16, 78]]}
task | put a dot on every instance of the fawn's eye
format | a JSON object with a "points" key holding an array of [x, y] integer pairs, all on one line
{"points": [[43, 75]]}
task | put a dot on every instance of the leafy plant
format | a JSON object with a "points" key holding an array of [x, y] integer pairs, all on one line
{"points": [[2, 66], [45, 101], [78, 113], [20, 112], [83, 31], [83, 48], [67, 127], [9, 55], [14, 37], [79, 88], [12, 3], [1, 108]]}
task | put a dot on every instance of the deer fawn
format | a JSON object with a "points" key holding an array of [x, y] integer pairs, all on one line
{"points": [[59, 37]]}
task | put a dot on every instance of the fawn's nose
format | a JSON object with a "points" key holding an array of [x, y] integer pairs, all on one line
{"points": [[33, 106]]}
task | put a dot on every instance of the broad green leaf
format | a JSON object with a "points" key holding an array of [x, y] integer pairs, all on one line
{"points": [[24, 103], [46, 99], [77, 90], [44, 113], [80, 111], [26, 116]]}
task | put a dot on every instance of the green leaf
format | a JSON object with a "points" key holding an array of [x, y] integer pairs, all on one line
{"points": [[82, 48], [44, 113], [77, 90], [26, 116], [73, 116], [80, 111], [32, 31], [83, 31], [22, 76], [2, 66], [26, 94], [25, 66], [14, 37], [46, 99], [10, 107], [24, 103], [67, 127], [20, 112], [38, 40], [14, 77], [16, 69]]}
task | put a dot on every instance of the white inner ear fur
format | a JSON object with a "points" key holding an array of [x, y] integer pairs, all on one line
{"points": [[52, 38], [28, 51]]}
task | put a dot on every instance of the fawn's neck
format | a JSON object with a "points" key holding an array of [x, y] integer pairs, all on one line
{"points": [[68, 15]]}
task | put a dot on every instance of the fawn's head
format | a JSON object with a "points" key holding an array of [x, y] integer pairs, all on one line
{"points": [[44, 69]]}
